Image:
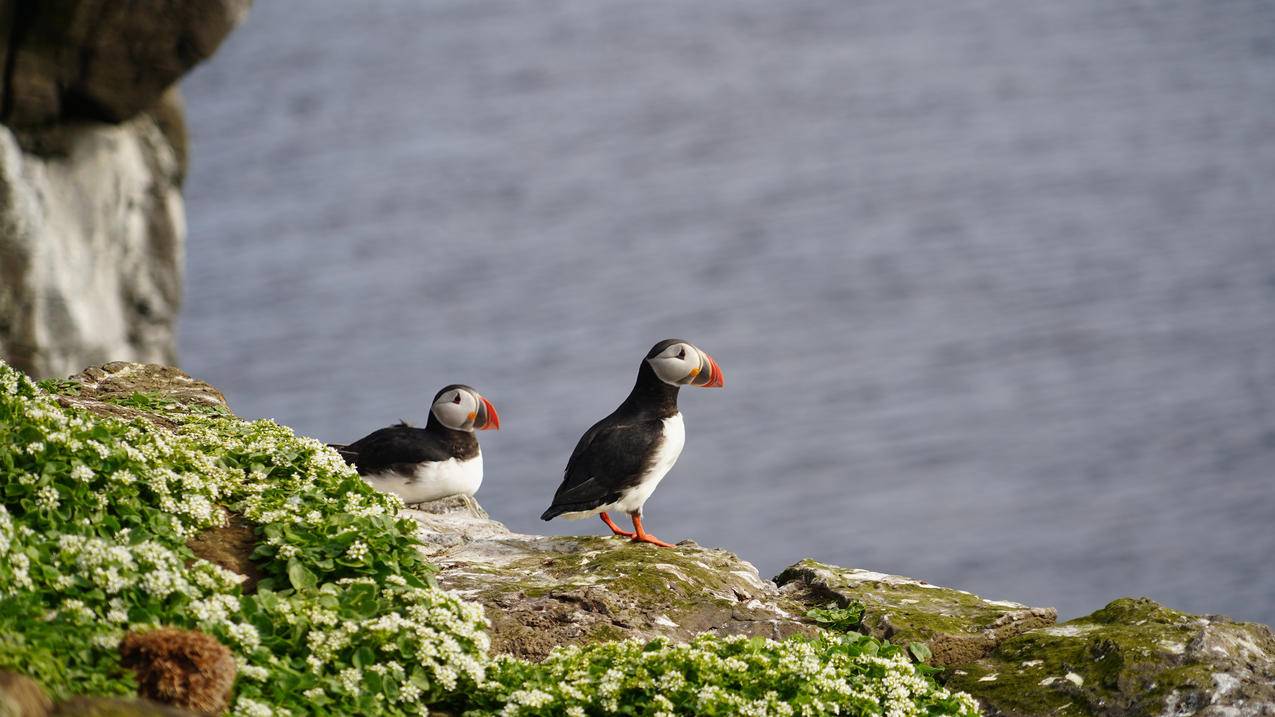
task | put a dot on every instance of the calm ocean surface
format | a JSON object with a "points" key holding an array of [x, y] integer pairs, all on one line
{"points": [[992, 283]]}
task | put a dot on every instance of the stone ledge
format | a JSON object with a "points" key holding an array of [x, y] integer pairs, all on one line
{"points": [[958, 626]]}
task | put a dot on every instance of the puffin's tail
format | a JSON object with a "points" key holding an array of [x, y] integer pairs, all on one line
{"points": [[553, 512]]}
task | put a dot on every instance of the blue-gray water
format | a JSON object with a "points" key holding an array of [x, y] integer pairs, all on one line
{"points": [[992, 283]]}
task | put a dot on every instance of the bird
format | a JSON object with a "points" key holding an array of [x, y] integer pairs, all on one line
{"points": [[424, 464], [618, 462]]}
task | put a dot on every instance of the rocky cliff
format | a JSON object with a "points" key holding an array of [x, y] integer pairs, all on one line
{"points": [[92, 155], [1133, 657], [551, 600]]}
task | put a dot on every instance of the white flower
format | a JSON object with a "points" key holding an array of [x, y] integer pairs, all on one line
{"points": [[357, 550], [47, 497], [252, 708], [350, 678], [82, 472], [108, 641]]}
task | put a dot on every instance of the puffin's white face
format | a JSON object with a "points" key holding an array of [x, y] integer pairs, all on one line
{"points": [[460, 408], [682, 363]]}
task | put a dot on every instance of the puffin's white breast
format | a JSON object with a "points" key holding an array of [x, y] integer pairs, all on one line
{"points": [[666, 455], [431, 481]]}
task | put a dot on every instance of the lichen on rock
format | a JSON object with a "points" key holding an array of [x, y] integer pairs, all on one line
{"points": [[958, 626], [544, 591], [1133, 657]]}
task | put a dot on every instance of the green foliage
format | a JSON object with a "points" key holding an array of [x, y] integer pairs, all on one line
{"points": [[841, 619], [160, 403], [844, 674], [94, 521], [59, 386], [920, 652]]}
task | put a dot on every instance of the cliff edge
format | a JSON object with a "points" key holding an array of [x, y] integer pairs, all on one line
{"points": [[307, 576]]}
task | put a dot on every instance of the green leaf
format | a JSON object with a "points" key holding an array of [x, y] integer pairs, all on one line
{"points": [[300, 576], [920, 652]]}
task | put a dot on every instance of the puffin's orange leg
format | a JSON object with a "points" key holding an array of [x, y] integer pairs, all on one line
{"points": [[615, 528], [643, 536]]}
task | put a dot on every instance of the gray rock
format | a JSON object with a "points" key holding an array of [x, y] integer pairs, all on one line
{"points": [[958, 626], [92, 237], [92, 156], [1133, 657], [543, 591]]}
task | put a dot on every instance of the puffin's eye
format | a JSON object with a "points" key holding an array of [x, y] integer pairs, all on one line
{"points": [[456, 399], [681, 354]]}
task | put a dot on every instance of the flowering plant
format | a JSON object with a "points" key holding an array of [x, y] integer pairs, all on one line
{"points": [[94, 525], [846, 675]]}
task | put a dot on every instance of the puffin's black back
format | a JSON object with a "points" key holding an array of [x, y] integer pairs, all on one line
{"points": [[399, 448], [617, 451]]}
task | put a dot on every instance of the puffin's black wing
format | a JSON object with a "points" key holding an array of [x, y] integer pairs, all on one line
{"points": [[609, 458], [395, 447]]}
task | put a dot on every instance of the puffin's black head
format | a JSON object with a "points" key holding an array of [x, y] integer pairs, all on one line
{"points": [[461, 408], [681, 363]]}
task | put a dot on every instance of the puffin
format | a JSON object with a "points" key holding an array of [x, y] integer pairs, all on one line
{"points": [[620, 460], [424, 464]]}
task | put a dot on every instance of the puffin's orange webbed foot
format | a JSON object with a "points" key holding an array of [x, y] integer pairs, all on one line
{"points": [[648, 538], [615, 528], [643, 536]]}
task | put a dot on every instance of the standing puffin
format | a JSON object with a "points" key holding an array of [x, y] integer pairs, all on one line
{"points": [[423, 464], [619, 461]]}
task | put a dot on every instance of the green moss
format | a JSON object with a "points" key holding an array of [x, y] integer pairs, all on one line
{"points": [[958, 627], [1136, 611], [606, 633], [1124, 659]]}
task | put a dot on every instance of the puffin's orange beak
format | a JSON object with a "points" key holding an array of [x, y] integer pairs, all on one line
{"points": [[715, 378], [490, 419]]}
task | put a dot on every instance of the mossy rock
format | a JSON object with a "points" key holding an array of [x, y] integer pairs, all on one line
{"points": [[127, 390], [1134, 657], [544, 591], [958, 626]]}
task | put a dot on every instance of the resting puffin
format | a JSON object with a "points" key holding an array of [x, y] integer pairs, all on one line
{"points": [[423, 464], [619, 461]]}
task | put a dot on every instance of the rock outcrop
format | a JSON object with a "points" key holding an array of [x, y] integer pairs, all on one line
{"points": [[958, 626], [100, 59], [92, 155], [1132, 658], [543, 591]]}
